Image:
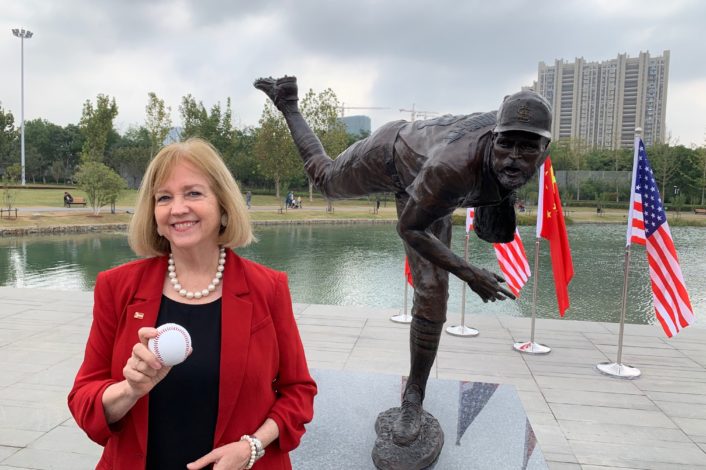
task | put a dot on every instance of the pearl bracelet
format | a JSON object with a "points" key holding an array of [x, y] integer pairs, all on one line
{"points": [[256, 450]]}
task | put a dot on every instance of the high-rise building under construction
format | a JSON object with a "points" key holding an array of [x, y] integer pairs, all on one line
{"points": [[599, 104]]}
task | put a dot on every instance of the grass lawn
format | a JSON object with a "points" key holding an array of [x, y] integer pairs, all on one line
{"points": [[55, 197], [266, 208], [53, 219]]}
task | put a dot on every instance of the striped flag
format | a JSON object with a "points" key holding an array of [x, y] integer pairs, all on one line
{"points": [[513, 263], [511, 258], [470, 212], [647, 225]]}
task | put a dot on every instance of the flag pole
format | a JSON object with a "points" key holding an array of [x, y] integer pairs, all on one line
{"points": [[462, 329], [403, 317], [618, 369], [531, 347]]}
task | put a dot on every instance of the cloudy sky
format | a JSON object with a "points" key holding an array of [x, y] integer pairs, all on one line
{"points": [[445, 56]]}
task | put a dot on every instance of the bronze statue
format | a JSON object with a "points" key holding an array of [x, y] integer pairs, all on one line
{"points": [[433, 167]]}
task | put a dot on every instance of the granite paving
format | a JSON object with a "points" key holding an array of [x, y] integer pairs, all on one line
{"points": [[582, 419]]}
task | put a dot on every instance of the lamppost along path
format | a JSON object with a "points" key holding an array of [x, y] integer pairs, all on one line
{"points": [[22, 34]]}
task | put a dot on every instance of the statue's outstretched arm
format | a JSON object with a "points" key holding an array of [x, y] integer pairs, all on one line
{"points": [[412, 226]]}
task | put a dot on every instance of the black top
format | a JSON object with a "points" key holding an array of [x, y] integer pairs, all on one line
{"points": [[183, 407]]}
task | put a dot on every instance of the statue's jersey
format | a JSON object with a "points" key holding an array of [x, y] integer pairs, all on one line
{"points": [[445, 161]]}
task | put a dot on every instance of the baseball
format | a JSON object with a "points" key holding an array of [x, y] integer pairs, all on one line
{"points": [[171, 345]]}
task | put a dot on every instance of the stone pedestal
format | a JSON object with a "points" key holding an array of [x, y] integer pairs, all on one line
{"points": [[485, 425]]}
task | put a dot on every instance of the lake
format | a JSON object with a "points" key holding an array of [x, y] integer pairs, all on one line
{"points": [[363, 265]]}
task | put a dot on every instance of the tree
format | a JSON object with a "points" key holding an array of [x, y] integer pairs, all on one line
{"points": [[242, 162], [13, 172], [45, 143], [215, 126], [11, 176], [664, 164], [158, 121], [57, 170], [101, 184], [274, 148], [701, 164], [8, 137], [96, 124], [321, 113], [130, 155]]}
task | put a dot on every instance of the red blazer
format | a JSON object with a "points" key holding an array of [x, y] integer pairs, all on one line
{"points": [[263, 371]]}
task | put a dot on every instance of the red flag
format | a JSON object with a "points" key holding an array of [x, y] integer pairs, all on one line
{"points": [[513, 263], [551, 226], [408, 272], [647, 225]]}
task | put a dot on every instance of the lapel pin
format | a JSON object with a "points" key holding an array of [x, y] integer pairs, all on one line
{"points": [[139, 315]]}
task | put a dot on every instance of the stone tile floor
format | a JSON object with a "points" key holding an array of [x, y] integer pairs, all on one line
{"points": [[583, 420]]}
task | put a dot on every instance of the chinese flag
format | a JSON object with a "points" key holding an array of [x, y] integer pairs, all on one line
{"points": [[551, 226], [408, 272]]}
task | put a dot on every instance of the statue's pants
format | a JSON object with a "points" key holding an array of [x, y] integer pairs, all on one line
{"points": [[368, 167]]}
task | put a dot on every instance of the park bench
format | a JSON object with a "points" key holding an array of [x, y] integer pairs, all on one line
{"points": [[700, 211], [78, 201]]}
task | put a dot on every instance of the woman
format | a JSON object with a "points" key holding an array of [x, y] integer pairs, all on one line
{"points": [[245, 386]]}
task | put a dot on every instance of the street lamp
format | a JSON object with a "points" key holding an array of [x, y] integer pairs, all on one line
{"points": [[22, 34]]}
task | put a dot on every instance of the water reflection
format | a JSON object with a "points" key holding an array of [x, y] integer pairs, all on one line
{"points": [[363, 265]]}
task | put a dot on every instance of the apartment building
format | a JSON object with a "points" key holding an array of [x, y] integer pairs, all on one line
{"points": [[599, 104]]}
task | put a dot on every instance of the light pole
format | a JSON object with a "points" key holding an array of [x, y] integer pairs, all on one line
{"points": [[22, 34]]}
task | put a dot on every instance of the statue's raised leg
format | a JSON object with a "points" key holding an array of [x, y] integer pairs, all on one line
{"points": [[363, 168]]}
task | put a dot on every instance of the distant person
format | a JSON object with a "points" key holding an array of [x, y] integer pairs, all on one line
{"points": [[68, 198], [248, 199], [245, 392], [299, 202]]}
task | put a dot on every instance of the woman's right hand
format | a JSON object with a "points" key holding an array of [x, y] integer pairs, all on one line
{"points": [[143, 370]]}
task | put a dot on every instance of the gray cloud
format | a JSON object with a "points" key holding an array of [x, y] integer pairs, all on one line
{"points": [[448, 56]]}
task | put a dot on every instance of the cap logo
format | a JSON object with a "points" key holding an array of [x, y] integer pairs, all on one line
{"points": [[523, 113]]}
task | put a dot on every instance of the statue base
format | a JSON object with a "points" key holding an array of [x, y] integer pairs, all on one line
{"points": [[419, 455], [485, 425]]}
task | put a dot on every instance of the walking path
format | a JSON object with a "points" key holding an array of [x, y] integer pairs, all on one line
{"points": [[583, 420]]}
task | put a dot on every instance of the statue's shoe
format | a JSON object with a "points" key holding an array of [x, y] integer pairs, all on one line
{"points": [[279, 90], [406, 427]]}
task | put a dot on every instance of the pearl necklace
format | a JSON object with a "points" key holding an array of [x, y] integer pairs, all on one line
{"points": [[199, 293]]}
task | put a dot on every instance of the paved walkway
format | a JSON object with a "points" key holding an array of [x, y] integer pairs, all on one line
{"points": [[583, 420]]}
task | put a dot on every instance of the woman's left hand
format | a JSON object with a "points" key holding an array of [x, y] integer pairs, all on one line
{"points": [[233, 456]]}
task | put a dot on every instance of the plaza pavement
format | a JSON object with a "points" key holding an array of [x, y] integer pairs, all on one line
{"points": [[582, 419]]}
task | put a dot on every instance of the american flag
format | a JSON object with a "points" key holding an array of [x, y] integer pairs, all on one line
{"points": [[512, 258], [647, 225], [513, 263]]}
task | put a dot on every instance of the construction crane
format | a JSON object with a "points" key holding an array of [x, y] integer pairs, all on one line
{"points": [[415, 112], [342, 109]]}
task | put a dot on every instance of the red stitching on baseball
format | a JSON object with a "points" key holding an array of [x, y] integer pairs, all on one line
{"points": [[179, 330]]}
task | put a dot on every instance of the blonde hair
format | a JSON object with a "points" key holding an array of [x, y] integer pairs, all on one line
{"points": [[142, 235]]}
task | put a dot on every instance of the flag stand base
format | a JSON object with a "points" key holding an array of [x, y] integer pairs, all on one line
{"points": [[622, 371], [461, 330], [401, 318], [531, 347]]}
